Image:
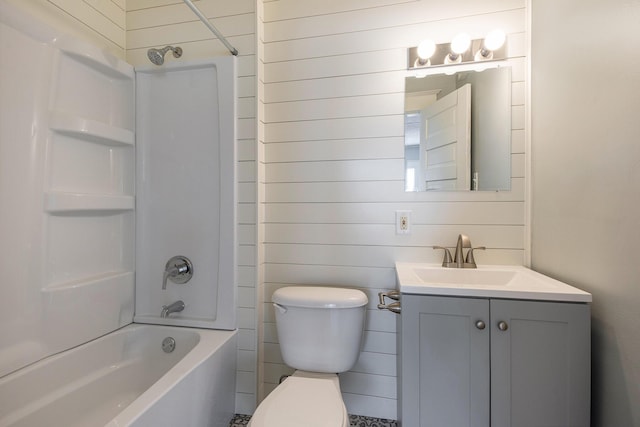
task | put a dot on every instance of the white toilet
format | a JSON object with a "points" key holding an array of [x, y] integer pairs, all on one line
{"points": [[320, 332]]}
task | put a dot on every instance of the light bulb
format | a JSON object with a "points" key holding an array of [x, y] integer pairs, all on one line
{"points": [[494, 40], [460, 43], [426, 49]]}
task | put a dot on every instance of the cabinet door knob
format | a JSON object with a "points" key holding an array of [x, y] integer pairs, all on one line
{"points": [[480, 325], [502, 325]]}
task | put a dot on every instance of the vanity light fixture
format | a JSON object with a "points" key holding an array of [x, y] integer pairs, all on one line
{"points": [[461, 50]]}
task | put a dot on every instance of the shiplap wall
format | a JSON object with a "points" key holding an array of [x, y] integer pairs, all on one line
{"points": [[156, 23], [101, 22], [105, 17], [260, 253], [333, 148]]}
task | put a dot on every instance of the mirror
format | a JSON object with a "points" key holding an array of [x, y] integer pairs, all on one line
{"points": [[458, 131]]}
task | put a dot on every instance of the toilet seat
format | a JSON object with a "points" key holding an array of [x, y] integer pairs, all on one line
{"points": [[304, 399]]}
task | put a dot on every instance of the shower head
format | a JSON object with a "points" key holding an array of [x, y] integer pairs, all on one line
{"points": [[157, 55]]}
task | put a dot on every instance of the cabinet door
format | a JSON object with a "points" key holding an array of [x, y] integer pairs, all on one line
{"points": [[540, 365], [444, 362]]}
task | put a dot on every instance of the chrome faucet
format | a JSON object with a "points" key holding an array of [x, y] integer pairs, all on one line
{"points": [[172, 308], [459, 261]]}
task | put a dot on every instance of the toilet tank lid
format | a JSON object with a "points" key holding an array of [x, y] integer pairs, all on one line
{"points": [[319, 297]]}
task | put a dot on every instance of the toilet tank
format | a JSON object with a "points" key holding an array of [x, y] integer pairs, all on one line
{"points": [[320, 328]]}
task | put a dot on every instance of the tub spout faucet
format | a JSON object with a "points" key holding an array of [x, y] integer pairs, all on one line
{"points": [[172, 308]]}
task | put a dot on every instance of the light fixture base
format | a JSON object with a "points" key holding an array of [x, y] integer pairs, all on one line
{"points": [[439, 58]]}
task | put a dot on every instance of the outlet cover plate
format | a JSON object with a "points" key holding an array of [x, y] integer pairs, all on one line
{"points": [[403, 222]]}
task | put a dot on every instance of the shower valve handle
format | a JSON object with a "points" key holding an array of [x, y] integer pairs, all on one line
{"points": [[178, 269]]}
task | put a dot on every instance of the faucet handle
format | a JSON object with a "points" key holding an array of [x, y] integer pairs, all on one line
{"points": [[470, 259], [447, 260], [178, 269]]}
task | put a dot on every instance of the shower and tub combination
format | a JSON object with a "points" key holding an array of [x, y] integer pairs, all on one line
{"points": [[110, 178]]}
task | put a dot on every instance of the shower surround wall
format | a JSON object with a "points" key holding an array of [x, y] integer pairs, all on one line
{"points": [[185, 168], [170, 22], [67, 144], [67, 168], [154, 24]]}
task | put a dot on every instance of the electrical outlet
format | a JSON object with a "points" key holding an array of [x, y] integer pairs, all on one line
{"points": [[403, 222]]}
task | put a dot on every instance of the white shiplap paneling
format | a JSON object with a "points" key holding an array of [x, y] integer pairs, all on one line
{"points": [[100, 22], [334, 124], [104, 17], [156, 13], [388, 14], [385, 38]]}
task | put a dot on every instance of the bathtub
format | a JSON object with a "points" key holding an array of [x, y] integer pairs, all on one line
{"points": [[126, 379]]}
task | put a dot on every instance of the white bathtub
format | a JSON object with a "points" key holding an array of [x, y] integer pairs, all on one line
{"points": [[126, 379]]}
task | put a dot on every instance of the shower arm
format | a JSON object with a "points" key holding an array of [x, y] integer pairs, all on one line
{"points": [[213, 29]]}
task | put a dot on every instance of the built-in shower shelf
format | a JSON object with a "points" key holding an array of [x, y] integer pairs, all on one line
{"points": [[95, 58], [107, 280], [90, 130], [59, 202]]}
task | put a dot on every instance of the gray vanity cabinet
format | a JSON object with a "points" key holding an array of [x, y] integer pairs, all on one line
{"points": [[477, 362], [444, 368]]}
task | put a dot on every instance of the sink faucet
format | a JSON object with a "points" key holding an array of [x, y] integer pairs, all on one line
{"points": [[172, 308], [463, 243], [459, 261]]}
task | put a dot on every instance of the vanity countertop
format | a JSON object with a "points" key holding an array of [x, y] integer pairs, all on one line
{"points": [[490, 281]]}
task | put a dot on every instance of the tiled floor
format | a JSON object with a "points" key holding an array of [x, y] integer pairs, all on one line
{"points": [[240, 420], [360, 421], [356, 421]]}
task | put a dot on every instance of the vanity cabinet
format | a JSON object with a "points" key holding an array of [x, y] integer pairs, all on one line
{"points": [[481, 362]]}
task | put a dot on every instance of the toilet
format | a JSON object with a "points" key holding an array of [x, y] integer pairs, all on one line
{"points": [[320, 333]]}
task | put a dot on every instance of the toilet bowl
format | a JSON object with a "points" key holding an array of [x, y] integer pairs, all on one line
{"points": [[306, 399], [320, 332]]}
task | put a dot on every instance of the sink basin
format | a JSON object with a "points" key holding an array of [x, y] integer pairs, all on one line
{"points": [[465, 277], [498, 281]]}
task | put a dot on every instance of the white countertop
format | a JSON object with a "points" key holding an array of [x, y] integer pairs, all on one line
{"points": [[490, 281]]}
